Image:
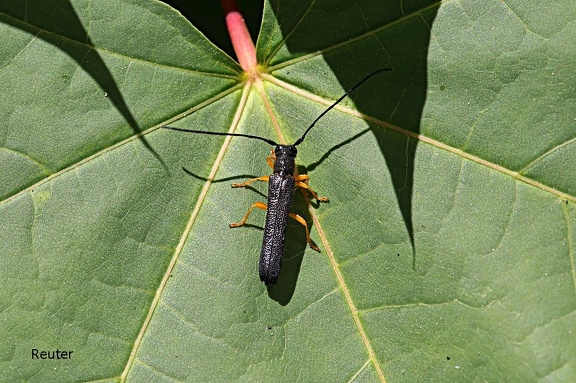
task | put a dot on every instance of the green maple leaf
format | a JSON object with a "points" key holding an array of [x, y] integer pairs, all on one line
{"points": [[447, 245]]}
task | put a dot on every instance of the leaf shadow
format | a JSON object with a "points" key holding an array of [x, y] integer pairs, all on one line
{"points": [[65, 31], [396, 97]]}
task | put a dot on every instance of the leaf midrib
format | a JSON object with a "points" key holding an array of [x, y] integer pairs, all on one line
{"points": [[333, 263]]}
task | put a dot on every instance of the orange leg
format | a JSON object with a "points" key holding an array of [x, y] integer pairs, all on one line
{"points": [[270, 159], [262, 205], [302, 182], [303, 222], [259, 205], [263, 178]]}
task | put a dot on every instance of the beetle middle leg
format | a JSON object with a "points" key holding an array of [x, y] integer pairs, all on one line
{"points": [[259, 205]]}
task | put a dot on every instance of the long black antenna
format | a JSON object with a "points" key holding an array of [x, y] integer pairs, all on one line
{"points": [[270, 142], [299, 141]]}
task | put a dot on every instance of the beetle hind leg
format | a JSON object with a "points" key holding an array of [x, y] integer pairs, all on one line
{"points": [[308, 239]]}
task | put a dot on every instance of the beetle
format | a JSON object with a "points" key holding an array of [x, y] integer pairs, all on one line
{"points": [[281, 185]]}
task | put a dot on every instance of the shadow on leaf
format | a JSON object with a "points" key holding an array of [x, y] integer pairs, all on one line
{"points": [[398, 38], [64, 30]]}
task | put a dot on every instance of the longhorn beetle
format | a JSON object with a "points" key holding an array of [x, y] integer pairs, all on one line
{"points": [[281, 186]]}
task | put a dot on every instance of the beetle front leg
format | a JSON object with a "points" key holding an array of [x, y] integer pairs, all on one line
{"points": [[263, 178], [271, 159]]}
